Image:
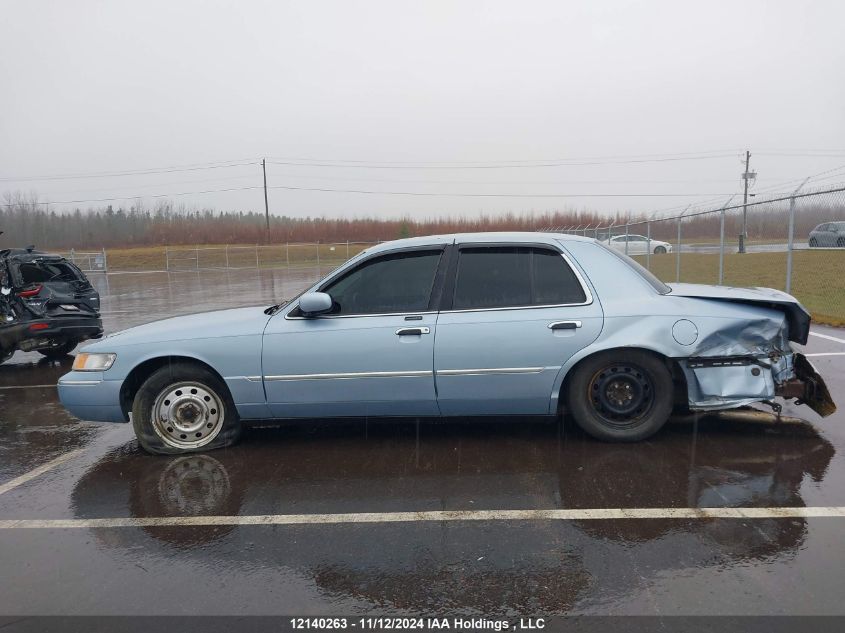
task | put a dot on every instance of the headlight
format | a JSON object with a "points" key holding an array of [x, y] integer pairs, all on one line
{"points": [[93, 362]]}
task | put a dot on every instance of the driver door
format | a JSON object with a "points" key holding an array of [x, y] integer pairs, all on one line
{"points": [[371, 355]]}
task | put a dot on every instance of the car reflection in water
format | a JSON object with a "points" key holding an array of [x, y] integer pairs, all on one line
{"points": [[493, 567]]}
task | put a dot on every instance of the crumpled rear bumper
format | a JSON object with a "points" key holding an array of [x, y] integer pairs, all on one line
{"points": [[716, 383], [807, 387]]}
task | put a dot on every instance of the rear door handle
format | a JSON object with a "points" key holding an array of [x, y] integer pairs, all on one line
{"points": [[412, 331], [564, 325]]}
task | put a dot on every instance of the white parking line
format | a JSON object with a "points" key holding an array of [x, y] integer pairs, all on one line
{"points": [[32, 474], [827, 354], [434, 515], [829, 338]]}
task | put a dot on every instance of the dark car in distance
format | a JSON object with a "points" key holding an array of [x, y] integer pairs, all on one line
{"points": [[47, 304], [828, 234]]}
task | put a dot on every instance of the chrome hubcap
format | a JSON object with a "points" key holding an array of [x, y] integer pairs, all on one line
{"points": [[188, 415]]}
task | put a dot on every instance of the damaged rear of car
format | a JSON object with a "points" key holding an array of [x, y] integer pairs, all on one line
{"points": [[750, 359], [682, 347], [46, 304]]}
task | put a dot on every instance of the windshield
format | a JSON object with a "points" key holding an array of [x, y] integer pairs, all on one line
{"points": [[642, 271]]}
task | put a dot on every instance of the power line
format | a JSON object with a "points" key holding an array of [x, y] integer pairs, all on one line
{"points": [[157, 184], [155, 195], [498, 195], [510, 161], [838, 154], [770, 189], [480, 165], [139, 172], [501, 182], [383, 193]]}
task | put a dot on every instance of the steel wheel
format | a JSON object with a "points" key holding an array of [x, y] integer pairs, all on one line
{"points": [[187, 415], [622, 394]]}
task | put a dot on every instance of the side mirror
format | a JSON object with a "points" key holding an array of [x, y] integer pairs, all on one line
{"points": [[314, 303]]}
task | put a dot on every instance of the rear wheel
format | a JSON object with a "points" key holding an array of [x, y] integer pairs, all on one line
{"points": [[621, 395], [840, 242], [58, 351], [660, 250], [5, 355], [184, 408]]}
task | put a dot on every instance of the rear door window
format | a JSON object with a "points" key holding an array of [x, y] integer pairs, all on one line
{"points": [[511, 276]]}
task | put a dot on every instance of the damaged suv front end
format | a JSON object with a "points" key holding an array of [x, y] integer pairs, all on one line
{"points": [[741, 361], [46, 304]]}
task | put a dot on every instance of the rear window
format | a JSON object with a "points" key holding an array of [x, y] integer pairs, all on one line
{"points": [[643, 272], [39, 272]]}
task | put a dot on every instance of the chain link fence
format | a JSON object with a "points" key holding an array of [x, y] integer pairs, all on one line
{"points": [[296, 255], [324, 256], [794, 243], [88, 261]]}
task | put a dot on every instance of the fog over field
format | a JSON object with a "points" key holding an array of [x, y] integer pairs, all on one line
{"points": [[539, 106]]}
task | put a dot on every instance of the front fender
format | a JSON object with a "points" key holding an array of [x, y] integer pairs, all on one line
{"points": [[237, 359]]}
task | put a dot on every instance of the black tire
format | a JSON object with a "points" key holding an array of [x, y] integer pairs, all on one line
{"points": [[151, 434], [620, 395], [841, 242], [813, 242], [5, 355], [59, 351], [660, 250]]}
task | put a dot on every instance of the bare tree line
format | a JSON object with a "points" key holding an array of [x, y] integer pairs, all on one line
{"points": [[25, 221]]}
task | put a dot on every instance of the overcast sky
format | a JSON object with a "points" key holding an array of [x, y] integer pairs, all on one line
{"points": [[93, 87]]}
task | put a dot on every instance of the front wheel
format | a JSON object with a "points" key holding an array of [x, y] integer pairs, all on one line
{"points": [[184, 408], [814, 243], [620, 395], [5, 355], [660, 250], [840, 242]]}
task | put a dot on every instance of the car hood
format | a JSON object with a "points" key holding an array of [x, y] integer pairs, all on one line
{"points": [[235, 322], [797, 316]]}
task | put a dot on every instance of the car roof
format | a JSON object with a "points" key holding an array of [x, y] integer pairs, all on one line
{"points": [[527, 237]]}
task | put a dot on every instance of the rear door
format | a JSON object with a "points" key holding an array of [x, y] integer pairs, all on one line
{"points": [[512, 315]]}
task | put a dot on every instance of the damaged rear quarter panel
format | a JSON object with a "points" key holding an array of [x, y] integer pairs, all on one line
{"points": [[638, 317]]}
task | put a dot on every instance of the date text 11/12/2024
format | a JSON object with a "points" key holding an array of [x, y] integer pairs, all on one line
{"points": [[415, 623]]}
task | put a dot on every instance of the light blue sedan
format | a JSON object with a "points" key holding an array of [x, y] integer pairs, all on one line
{"points": [[455, 325]]}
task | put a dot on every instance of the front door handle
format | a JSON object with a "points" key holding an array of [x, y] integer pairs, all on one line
{"points": [[412, 331], [564, 325]]}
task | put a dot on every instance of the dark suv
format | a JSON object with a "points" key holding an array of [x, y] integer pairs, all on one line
{"points": [[828, 234], [46, 304]]}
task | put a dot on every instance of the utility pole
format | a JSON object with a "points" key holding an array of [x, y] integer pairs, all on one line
{"points": [[746, 176], [266, 203]]}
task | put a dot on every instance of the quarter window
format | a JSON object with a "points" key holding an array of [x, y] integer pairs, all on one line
{"points": [[501, 277], [401, 282]]}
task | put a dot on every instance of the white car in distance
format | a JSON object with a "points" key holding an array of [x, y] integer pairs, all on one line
{"points": [[638, 245]]}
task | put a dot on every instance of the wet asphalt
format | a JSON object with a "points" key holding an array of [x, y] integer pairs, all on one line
{"points": [[702, 566]]}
